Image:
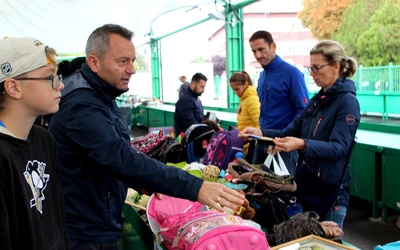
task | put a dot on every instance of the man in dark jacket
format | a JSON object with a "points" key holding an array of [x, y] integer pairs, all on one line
{"points": [[93, 148], [188, 109]]}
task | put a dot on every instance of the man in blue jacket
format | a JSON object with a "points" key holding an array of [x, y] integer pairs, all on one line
{"points": [[93, 148], [188, 109], [282, 91]]}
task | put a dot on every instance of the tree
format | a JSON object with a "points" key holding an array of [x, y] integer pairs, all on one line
{"points": [[354, 22], [380, 43], [198, 59], [322, 16], [140, 62], [219, 64]]}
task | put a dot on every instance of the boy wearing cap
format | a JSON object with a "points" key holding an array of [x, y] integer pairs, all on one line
{"points": [[31, 200]]}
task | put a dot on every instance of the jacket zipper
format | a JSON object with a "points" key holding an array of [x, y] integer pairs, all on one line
{"points": [[316, 127], [108, 206]]}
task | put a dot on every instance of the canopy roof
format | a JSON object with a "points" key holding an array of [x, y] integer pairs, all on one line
{"points": [[66, 24]]}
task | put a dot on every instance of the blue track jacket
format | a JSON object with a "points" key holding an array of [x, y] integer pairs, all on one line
{"points": [[98, 163], [328, 125], [283, 94]]}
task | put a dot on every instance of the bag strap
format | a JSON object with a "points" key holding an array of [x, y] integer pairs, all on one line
{"points": [[347, 163]]}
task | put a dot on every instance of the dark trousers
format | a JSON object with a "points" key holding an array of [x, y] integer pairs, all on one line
{"points": [[84, 245], [290, 158]]}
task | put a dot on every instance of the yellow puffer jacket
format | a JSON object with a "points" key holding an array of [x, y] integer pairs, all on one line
{"points": [[249, 111]]}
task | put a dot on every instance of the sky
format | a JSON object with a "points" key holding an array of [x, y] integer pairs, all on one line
{"points": [[66, 24]]}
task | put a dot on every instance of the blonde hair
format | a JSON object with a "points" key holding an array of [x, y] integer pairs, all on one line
{"points": [[241, 78], [334, 53]]}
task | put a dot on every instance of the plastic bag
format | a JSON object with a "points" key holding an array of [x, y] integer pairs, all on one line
{"points": [[279, 167]]}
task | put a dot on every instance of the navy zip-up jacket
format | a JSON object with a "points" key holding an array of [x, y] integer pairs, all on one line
{"points": [[328, 126], [283, 94], [188, 111], [98, 163]]}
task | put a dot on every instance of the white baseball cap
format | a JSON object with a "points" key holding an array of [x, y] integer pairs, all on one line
{"points": [[20, 55]]}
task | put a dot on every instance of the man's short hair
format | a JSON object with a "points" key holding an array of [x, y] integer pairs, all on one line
{"points": [[199, 76], [98, 43], [20, 55], [262, 34]]}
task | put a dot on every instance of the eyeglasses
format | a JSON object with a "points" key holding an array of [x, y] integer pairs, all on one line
{"points": [[315, 69], [54, 80]]}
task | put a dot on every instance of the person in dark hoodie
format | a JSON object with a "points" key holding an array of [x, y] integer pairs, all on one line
{"points": [[282, 92], [97, 162], [324, 134]]}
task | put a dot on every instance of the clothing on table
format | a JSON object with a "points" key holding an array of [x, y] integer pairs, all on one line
{"points": [[30, 193], [98, 163]]}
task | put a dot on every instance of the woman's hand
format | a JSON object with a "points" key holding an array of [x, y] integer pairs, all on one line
{"points": [[289, 143], [249, 131]]}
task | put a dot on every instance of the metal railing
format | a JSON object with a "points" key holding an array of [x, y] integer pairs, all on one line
{"points": [[371, 79]]}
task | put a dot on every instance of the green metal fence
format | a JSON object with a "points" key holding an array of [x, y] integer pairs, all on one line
{"points": [[371, 79], [378, 89]]}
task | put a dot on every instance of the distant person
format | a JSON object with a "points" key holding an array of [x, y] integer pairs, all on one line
{"points": [[188, 109], [31, 201], [282, 91], [93, 148], [184, 86], [248, 113], [324, 134]]}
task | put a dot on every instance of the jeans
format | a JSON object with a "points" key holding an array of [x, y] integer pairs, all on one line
{"points": [[289, 158], [337, 215], [84, 245]]}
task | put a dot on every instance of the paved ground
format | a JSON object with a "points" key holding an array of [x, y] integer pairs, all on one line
{"points": [[365, 232]]}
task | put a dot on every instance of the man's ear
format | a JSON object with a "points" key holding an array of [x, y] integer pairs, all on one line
{"points": [[273, 47], [93, 62], [192, 85], [13, 88]]}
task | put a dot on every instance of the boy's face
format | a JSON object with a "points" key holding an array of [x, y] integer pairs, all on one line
{"points": [[38, 95]]}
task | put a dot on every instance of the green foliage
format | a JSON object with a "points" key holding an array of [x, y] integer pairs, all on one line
{"points": [[199, 59], [77, 54], [380, 43], [140, 63], [219, 64], [354, 22]]}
